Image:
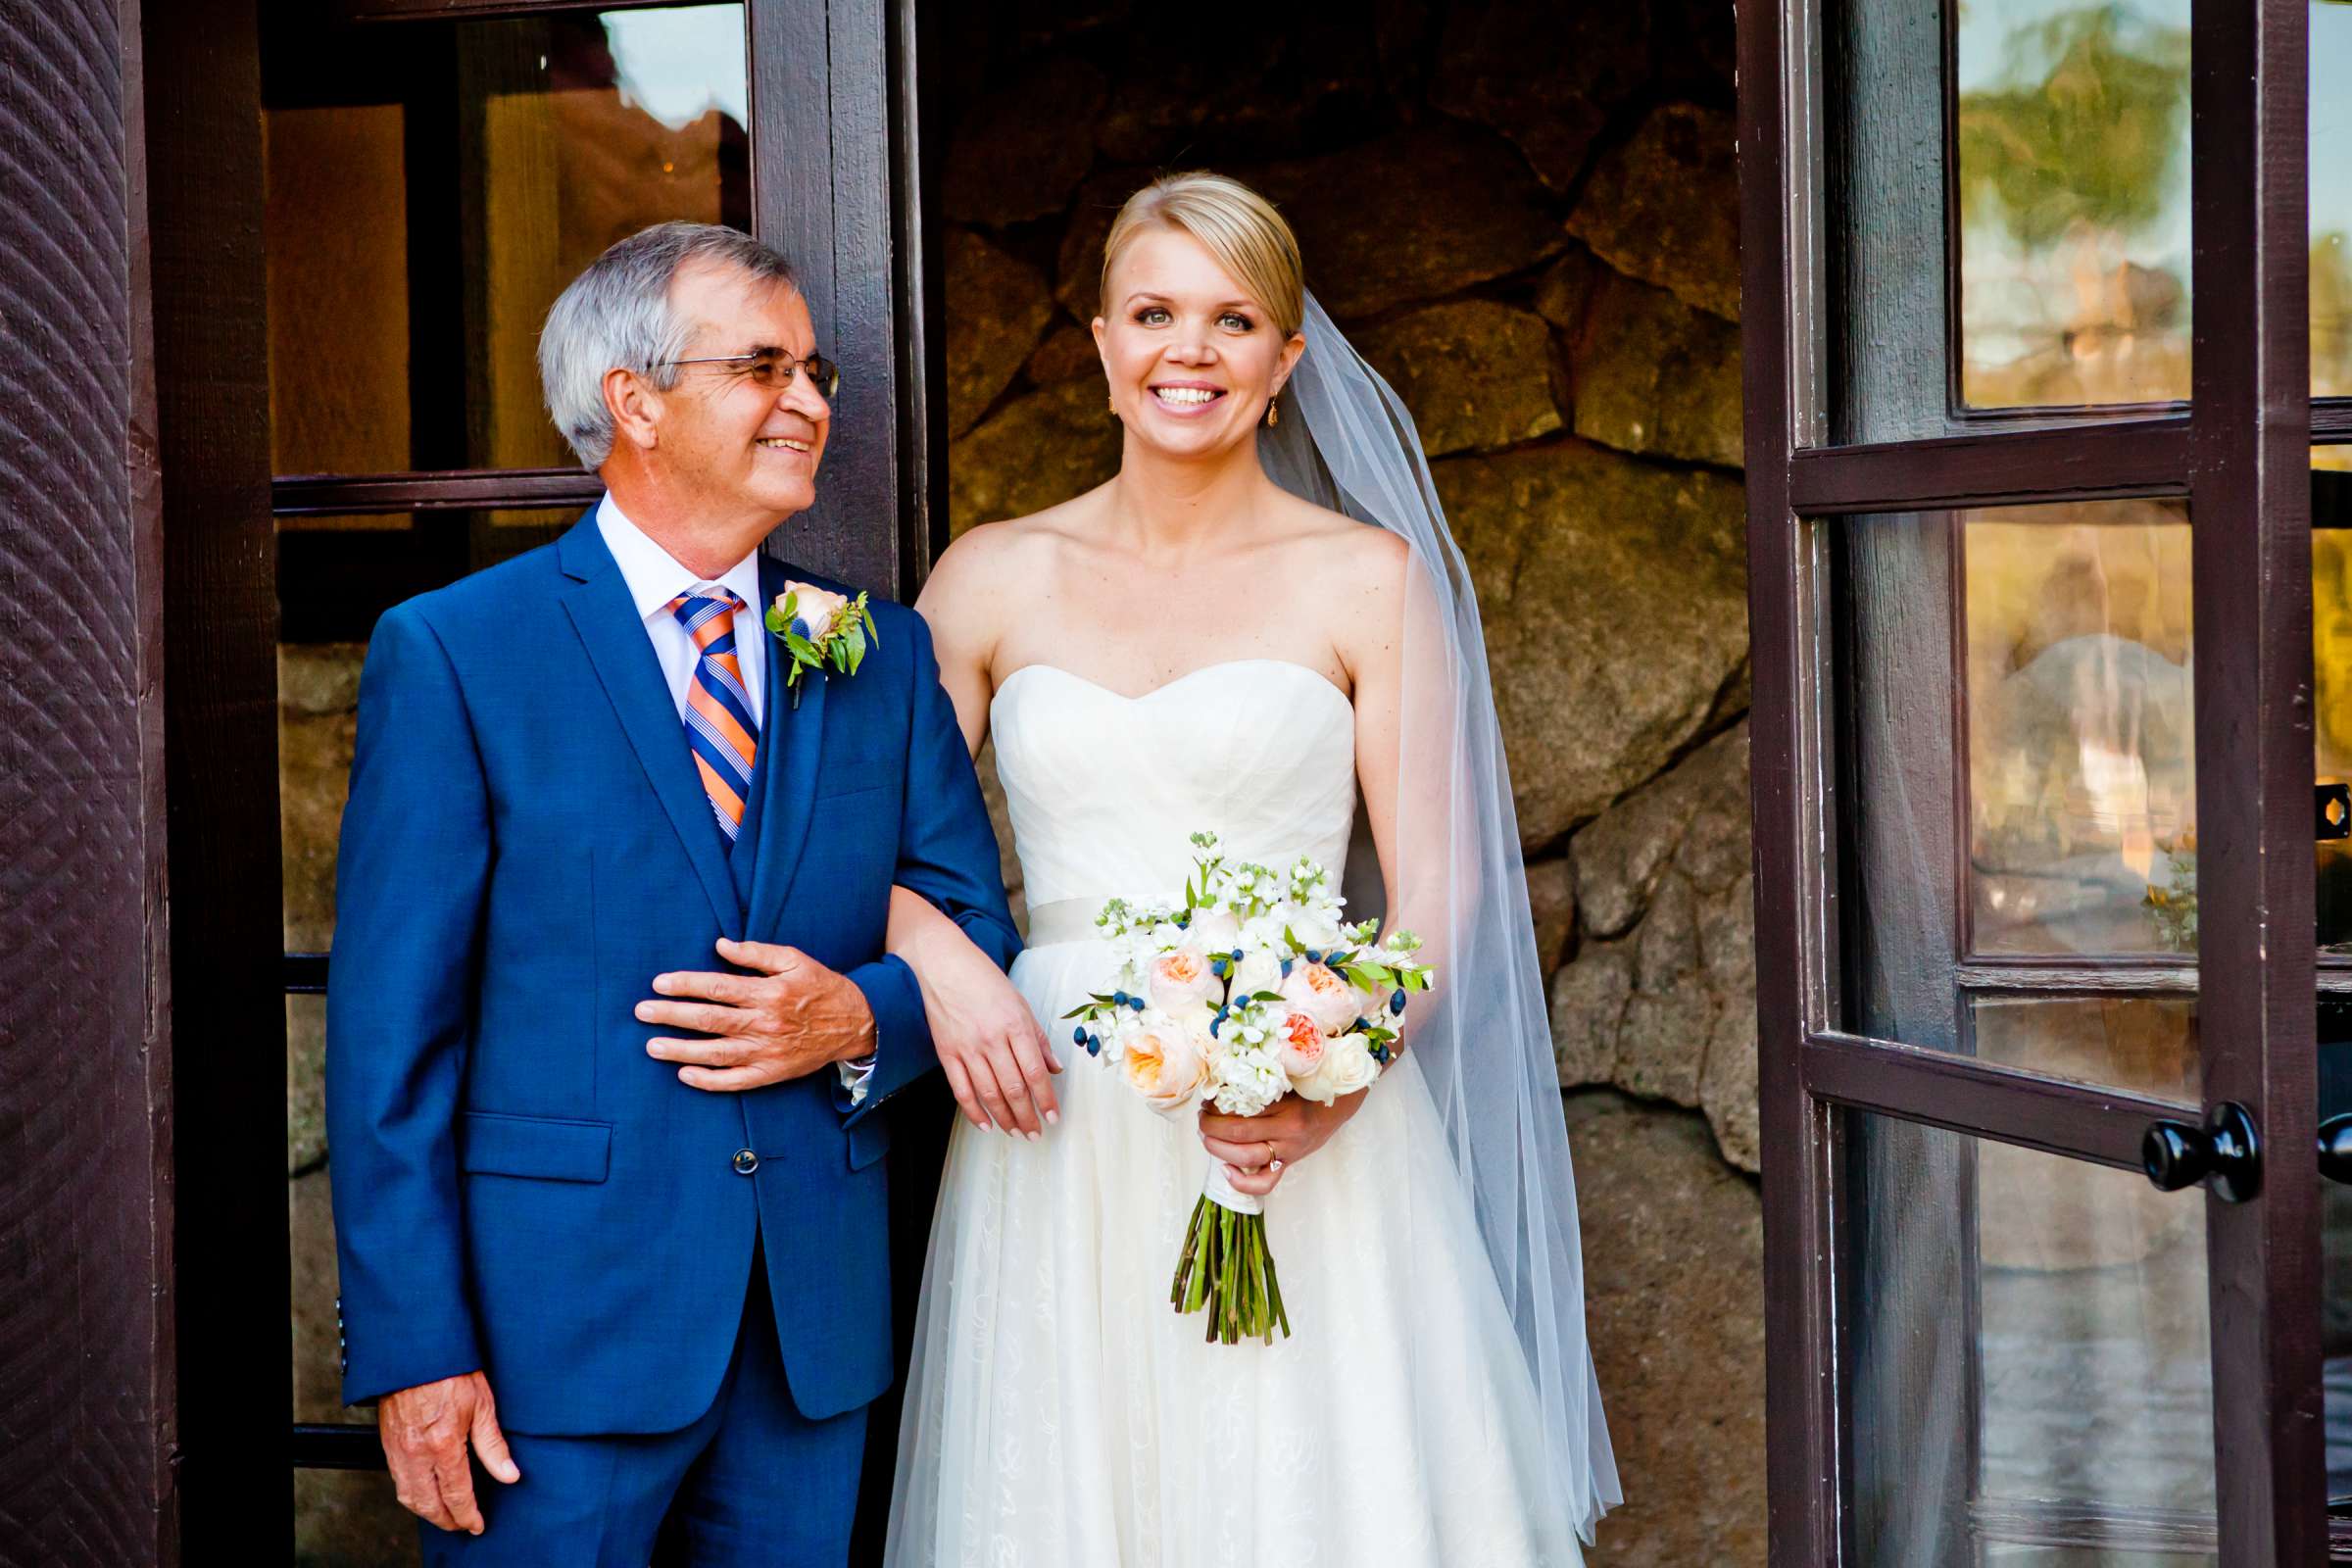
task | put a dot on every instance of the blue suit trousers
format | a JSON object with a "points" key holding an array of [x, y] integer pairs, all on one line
{"points": [[753, 1484]]}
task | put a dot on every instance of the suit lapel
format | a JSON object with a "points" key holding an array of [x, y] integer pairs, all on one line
{"points": [[610, 628], [789, 784]]}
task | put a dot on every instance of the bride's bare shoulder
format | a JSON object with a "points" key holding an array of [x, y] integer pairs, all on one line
{"points": [[995, 553], [1369, 557]]}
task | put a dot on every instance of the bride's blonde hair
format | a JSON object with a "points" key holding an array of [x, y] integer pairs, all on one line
{"points": [[1236, 225]]}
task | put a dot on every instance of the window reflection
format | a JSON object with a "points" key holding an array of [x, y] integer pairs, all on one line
{"points": [[2147, 1045], [2073, 138], [2033, 1365], [2330, 198], [2073, 177], [2080, 739], [433, 187]]}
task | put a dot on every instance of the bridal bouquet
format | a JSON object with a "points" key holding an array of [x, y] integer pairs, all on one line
{"points": [[1249, 990]]}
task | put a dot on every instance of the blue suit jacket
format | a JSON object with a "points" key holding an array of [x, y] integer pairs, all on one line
{"points": [[518, 1185]]}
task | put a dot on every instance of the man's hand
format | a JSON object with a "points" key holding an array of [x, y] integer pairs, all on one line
{"points": [[425, 1431], [784, 1022]]}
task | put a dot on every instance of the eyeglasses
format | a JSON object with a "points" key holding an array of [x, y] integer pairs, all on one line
{"points": [[774, 371]]}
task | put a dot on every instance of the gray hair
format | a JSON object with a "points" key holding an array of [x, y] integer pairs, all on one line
{"points": [[617, 316]]}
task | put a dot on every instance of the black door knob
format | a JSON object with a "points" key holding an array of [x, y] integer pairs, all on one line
{"points": [[2335, 1148], [2226, 1154]]}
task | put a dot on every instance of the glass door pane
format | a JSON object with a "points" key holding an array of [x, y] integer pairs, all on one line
{"points": [[433, 186], [2071, 133], [2030, 1362]]}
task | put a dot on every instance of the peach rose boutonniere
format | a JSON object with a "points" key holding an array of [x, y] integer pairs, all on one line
{"points": [[820, 630]]}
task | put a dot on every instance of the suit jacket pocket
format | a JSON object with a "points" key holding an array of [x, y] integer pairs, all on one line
{"points": [[869, 1141], [496, 1144]]}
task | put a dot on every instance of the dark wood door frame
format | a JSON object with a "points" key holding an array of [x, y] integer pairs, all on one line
{"points": [[2241, 455], [99, 680]]}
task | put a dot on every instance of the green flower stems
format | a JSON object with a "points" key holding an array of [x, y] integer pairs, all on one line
{"points": [[1226, 1267]]}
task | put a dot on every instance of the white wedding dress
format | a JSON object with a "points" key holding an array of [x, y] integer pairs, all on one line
{"points": [[1061, 1414]]}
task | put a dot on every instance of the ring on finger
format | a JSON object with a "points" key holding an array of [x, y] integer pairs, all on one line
{"points": [[1273, 1160]]}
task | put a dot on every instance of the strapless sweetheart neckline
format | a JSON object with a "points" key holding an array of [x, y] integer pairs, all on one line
{"points": [[1167, 686]]}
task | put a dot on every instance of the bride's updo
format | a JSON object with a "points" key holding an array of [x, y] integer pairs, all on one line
{"points": [[1235, 225]]}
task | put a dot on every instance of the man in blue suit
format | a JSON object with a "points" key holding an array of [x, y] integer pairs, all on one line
{"points": [[611, 1013]]}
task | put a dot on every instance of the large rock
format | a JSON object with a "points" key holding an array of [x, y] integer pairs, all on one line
{"points": [[1475, 374], [1547, 83], [1567, 288], [1665, 207], [1551, 903], [1019, 152], [996, 306], [1208, 109], [1078, 269], [318, 717], [1655, 376], [1674, 1262], [1037, 450], [1694, 44], [1068, 355], [1614, 594], [1411, 216], [1660, 996]]}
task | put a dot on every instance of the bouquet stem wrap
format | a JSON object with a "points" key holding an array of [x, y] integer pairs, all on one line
{"points": [[1226, 1267]]}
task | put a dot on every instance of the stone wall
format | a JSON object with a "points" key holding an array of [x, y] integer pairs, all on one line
{"points": [[1525, 216]]}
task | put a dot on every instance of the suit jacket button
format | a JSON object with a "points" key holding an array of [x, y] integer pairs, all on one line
{"points": [[746, 1162]]}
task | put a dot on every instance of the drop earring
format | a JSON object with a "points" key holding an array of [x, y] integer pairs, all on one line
{"points": [[1113, 403], [1273, 413]]}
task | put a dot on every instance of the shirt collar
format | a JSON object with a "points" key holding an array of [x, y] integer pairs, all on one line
{"points": [[654, 575]]}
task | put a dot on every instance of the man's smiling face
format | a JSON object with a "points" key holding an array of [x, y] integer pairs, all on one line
{"points": [[741, 448]]}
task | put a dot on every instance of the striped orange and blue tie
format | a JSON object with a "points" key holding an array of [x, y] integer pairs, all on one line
{"points": [[720, 730]]}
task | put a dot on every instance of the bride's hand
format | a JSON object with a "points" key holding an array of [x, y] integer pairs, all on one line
{"points": [[997, 1060], [1257, 1150]]}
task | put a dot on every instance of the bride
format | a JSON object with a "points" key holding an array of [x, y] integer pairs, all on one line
{"points": [[1195, 646]]}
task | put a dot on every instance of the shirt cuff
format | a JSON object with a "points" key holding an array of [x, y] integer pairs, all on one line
{"points": [[853, 1076]]}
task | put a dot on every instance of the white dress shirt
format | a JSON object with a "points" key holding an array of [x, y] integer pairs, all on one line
{"points": [[655, 577]]}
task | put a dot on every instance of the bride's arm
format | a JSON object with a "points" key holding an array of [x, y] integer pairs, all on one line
{"points": [[1371, 646], [995, 1055]]}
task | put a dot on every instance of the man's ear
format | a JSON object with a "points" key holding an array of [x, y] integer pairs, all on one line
{"points": [[635, 407]]}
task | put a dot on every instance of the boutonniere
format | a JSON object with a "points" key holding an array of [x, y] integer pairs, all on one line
{"points": [[819, 629]]}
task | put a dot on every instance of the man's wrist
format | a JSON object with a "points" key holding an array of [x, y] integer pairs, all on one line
{"points": [[864, 1036]]}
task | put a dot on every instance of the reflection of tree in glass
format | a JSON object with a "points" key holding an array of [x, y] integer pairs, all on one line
{"points": [[2070, 159], [2086, 144], [2330, 315]]}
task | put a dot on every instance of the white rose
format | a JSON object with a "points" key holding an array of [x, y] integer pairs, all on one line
{"points": [[1175, 980], [1162, 1064], [1259, 970], [815, 608], [1324, 995], [1346, 1067], [1218, 930]]}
